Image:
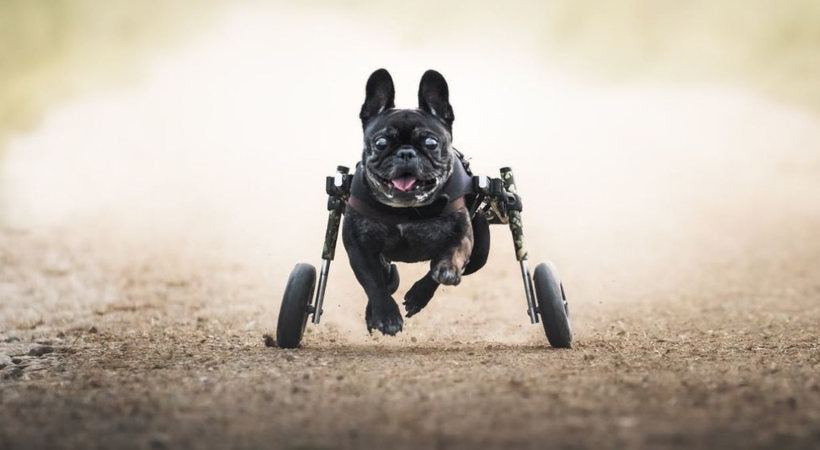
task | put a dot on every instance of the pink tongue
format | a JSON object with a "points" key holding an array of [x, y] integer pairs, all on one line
{"points": [[404, 183]]}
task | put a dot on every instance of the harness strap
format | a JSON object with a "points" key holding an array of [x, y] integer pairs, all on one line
{"points": [[392, 219]]}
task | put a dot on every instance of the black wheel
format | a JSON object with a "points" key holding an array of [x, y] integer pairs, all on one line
{"points": [[293, 314], [552, 303]]}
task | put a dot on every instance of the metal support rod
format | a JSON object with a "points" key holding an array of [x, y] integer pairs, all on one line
{"points": [[517, 229], [337, 190], [334, 218], [320, 291], [516, 226], [525, 274]]}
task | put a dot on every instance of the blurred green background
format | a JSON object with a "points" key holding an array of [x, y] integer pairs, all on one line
{"points": [[50, 49]]}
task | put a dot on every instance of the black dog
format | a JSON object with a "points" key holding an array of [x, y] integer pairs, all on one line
{"points": [[407, 199]]}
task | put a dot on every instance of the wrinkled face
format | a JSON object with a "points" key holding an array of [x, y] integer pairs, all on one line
{"points": [[407, 158]]}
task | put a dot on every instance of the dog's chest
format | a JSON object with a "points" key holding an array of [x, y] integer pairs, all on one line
{"points": [[418, 241], [427, 232]]}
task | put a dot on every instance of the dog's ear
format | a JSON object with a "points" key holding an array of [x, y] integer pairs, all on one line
{"points": [[379, 95], [434, 97]]}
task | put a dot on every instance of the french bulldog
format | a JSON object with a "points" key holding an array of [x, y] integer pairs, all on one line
{"points": [[407, 199]]}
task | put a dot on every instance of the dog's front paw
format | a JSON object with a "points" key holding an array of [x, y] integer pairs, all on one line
{"points": [[446, 273], [384, 316], [419, 295]]}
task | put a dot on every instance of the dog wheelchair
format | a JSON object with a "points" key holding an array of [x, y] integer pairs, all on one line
{"points": [[492, 201]]}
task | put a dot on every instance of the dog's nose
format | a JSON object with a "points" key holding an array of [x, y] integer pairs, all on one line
{"points": [[406, 154]]}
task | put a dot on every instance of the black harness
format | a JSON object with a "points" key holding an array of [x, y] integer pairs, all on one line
{"points": [[450, 199]]}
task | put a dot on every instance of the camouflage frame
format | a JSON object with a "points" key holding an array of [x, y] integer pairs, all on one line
{"points": [[516, 226], [338, 190]]}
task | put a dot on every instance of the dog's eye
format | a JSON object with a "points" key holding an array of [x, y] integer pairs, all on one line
{"points": [[380, 143], [430, 143]]}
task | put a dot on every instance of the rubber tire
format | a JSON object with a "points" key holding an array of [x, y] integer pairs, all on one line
{"points": [[552, 305], [293, 314]]}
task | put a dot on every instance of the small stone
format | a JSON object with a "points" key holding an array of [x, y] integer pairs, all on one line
{"points": [[158, 442], [11, 339], [269, 341], [40, 350], [12, 373], [5, 360], [627, 422], [92, 330]]}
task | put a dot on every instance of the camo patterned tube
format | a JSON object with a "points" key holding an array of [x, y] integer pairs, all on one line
{"points": [[516, 226], [334, 219]]}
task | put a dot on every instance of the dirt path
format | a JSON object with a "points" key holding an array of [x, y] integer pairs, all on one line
{"points": [[161, 352], [141, 264]]}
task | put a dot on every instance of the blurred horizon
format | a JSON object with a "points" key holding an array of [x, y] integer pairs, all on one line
{"points": [[50, 51]]}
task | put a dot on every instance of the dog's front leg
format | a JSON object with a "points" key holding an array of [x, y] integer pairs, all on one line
{"points": [[448, 267], [420, 294], [445, 269], [364, 252]]}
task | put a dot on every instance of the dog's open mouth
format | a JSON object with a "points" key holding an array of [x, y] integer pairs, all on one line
{"points": [[408, 183], [404, 183]]}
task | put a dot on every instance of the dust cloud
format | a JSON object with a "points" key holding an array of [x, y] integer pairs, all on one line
{"points": [[219, 151]]}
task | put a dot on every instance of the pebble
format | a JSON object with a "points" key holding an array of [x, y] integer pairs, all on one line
{"points": [[158, 443], [269, 341], [40, 350], [11, 373], [5, 360]]}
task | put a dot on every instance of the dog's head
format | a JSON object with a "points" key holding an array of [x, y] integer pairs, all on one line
{"points": [[407, 157]]}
